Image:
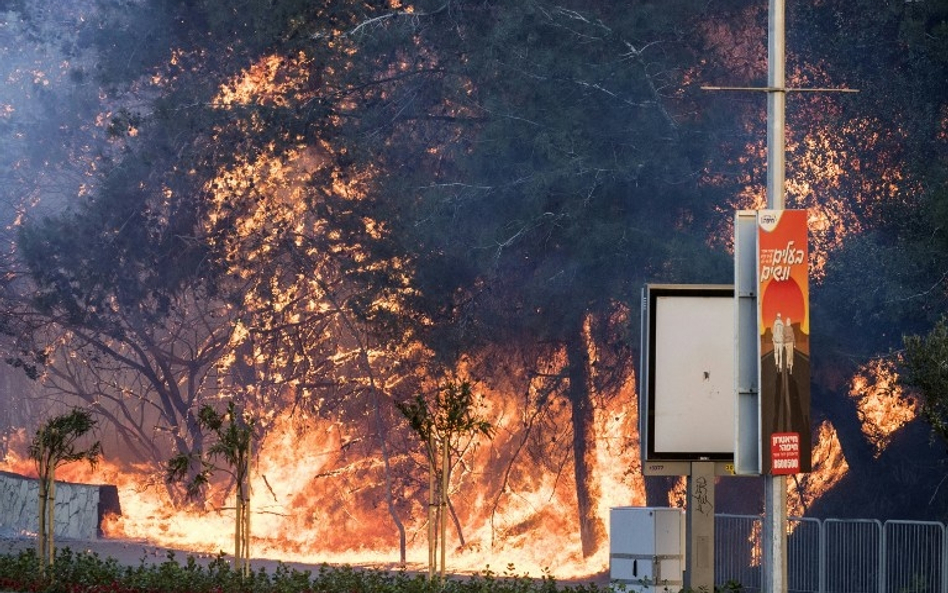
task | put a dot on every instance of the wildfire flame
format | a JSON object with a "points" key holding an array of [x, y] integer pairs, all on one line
{"points": [[309, 503], [882, 407], [310, 492], [829, 467]]}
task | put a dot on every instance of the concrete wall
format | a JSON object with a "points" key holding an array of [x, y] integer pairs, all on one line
{"points": [[79, 507]]}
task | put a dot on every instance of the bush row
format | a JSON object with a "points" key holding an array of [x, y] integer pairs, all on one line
{"points": [[89, 573]]}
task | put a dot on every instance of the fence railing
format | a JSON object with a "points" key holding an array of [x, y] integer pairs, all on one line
{"points": [[838, 555]]}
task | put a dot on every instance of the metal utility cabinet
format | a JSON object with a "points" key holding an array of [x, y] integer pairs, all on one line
{"points": [[647, 548]]}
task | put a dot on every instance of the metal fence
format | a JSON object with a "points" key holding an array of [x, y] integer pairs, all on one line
{"points": [[838, 555]]}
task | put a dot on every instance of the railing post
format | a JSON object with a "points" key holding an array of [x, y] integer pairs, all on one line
{"points": [[944, 559], [822, 562], [849, 544], [882, 559]]}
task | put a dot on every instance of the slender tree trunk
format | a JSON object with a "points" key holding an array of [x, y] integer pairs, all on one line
{"points": [[432, 481], [51, 516], [457, 523], [387, 466], [246, 518], [41, 516], [247, 535], [238, 529], [592, 530], [242, 518], [46, 516], [443, 507], [386, 462]]}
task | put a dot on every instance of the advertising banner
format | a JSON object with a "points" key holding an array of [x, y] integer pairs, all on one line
{"points": [[784, 330]]}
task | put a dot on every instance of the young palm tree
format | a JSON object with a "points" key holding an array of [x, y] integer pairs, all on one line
{"points": [[234, 433], [440, 425], [55, 444]]}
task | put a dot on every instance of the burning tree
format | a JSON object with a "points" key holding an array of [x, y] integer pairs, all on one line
{"points": [[441, 424], [194, 272], [56, 444], [130, 317], [234, 435], [533, 206]]}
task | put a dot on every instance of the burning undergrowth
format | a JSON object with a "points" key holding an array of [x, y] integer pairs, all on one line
{"points": [[319, 494]]}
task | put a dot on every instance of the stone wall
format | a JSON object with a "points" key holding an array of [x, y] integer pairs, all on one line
{"points": [[79, 507]]}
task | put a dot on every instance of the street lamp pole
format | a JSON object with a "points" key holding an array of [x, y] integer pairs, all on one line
{"points": [[774, 536], [775, 487]]}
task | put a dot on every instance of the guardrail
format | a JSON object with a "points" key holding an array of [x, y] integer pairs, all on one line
{"points": [[838, 555]]}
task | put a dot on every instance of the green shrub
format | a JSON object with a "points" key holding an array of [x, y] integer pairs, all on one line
{"points": [[89, 573]]}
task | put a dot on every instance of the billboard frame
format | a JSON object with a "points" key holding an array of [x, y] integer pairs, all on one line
{"points": [[715, 332]]}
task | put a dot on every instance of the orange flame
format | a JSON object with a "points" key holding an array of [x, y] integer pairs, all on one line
{"points": [[310, 493], [829, 467], [882, 408]]}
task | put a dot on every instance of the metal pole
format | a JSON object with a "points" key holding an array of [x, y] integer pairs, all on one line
{"points": [[776, 106], [775, 487]]}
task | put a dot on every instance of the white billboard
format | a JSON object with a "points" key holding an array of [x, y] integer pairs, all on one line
{"points": [[687, 397]]}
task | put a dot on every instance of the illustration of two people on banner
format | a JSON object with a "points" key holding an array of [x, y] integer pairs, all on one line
{"points": [[790, 409], [784, 342]]}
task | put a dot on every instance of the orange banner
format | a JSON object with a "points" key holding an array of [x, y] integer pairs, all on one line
{"points": [[784, 324]]}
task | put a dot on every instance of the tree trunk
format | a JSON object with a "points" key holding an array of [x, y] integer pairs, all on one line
{"points": [[247, 535], [457, 523], [592, 530], [387, 466], [432, 481], [443, 505], [383, 445], [242, 515], [240, 534], [41, 517], [46, 515], [657, 489], [51, 516], [238, 529], [245, 490]]}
